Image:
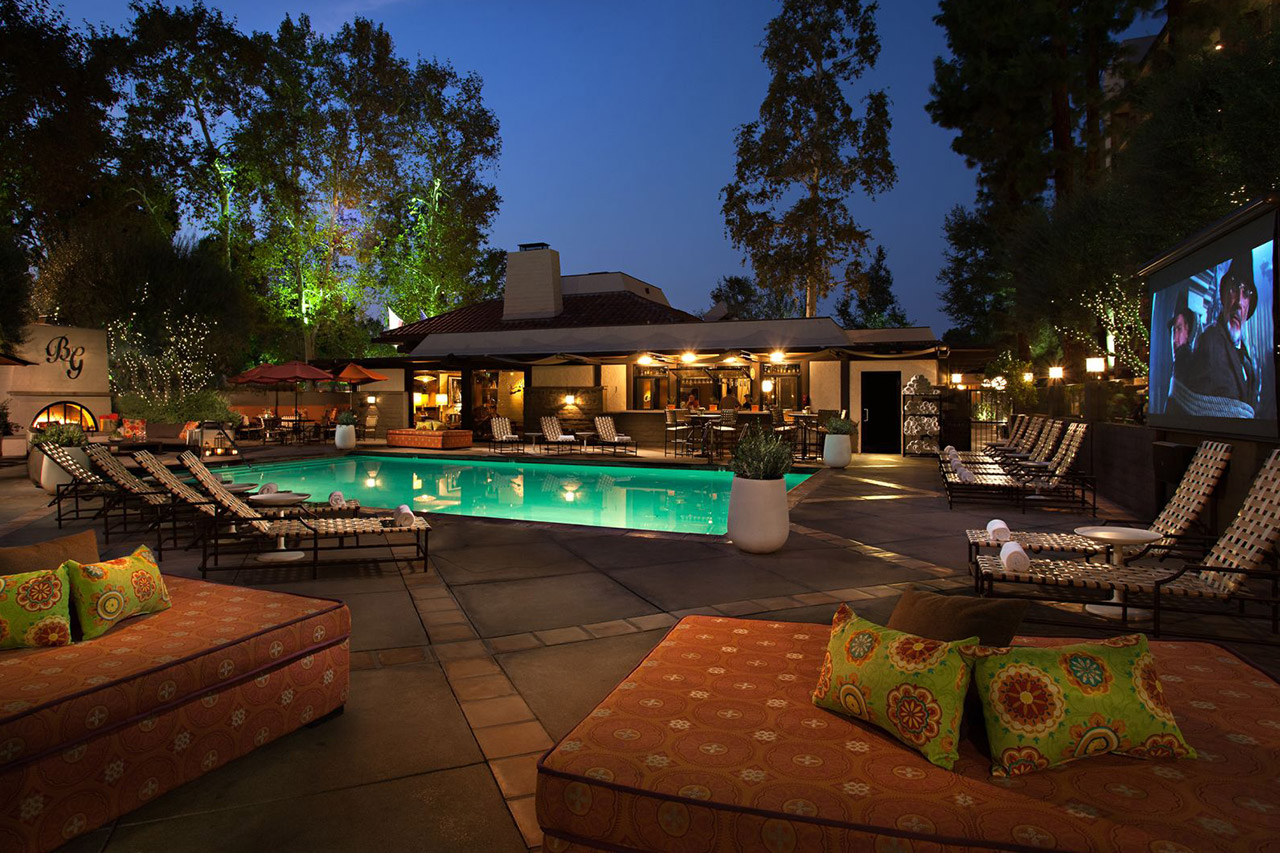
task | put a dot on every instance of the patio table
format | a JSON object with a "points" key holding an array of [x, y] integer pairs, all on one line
{"points": [[280, 501], [807, 422], [1115, 539]]}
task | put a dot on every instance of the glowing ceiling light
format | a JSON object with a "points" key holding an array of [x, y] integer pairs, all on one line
{"points": [[688, 357], [777, 356], [645, 360]]}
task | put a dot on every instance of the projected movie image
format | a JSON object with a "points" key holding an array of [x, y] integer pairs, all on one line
{"points": [[1212, 340]]}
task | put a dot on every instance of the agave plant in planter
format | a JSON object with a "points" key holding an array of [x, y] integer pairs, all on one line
{"points": [[759, 521], [837, 447], [344, 434], [46, 473]]}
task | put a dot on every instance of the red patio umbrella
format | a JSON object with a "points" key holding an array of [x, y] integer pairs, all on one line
{"points": [[355, 375], [295, 372]]}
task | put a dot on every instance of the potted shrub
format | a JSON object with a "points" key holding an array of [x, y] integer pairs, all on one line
{"points": [[837, 447], [759, 521], [344, 434], [46, 473]]}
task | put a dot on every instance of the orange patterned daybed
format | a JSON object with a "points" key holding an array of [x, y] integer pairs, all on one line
{"points": [[95, 729], [434, 439], [712, 744]]}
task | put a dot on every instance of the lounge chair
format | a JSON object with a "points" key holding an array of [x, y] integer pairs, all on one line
{"points": [[1055, 480], [1023, 443], [607, 435], [1229, 581], [1016, 429], [553, 436], [502, 437], [258, 534], [84, 485], [1175, 522], [213, 485], [152, 503]]}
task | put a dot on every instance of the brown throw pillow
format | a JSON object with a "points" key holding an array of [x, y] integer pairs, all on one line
{"points": [[954, 617], [81, 547]]}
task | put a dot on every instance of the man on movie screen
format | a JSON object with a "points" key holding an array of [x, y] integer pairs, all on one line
{"points": [[1182, 333], [1223, 365]]}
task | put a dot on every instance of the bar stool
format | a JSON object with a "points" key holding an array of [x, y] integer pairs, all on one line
{"points": [[675, 435]]}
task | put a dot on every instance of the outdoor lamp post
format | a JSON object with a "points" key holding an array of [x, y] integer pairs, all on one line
{"points": [[1095, 365], [1056, 373]]}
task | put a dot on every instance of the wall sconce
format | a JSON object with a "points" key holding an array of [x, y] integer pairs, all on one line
{"points": [[569, 399], [442, 400], [767, 386], [1055, 372], [777, 356], [645, 360], [957, 378], [1028, 377], [1095, 364], [371, 399]]}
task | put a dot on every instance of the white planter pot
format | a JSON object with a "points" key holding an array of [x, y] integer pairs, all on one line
{"points": [[344, 436], [35, 464], [837, 451], [51, 473], [759, 521]]}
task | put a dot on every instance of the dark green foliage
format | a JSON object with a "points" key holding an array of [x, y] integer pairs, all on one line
{"points": [[797, 165], [744, 301], [869, 301], [15, 292], [346, 418], [761, 455], [840, 426], [61, 435], [207, 405]]}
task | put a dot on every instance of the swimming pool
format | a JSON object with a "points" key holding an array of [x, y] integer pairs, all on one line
{"points": [[670, 499]]}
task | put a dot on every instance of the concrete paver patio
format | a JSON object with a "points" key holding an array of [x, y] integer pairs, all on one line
{"points": [[464, 674]]}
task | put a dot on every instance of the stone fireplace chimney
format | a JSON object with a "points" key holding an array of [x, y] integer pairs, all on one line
{"points": [[533, 283]]}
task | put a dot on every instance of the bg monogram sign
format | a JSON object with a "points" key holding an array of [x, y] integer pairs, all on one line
{"points": [[59, 350]]}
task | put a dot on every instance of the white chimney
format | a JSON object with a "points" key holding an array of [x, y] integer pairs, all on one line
{"points": [[533, 283]]}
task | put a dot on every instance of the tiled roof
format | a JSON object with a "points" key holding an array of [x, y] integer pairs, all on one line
{"points": [[616, 308]]}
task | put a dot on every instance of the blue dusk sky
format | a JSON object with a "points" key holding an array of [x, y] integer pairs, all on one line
{"points": [[618, 119]]}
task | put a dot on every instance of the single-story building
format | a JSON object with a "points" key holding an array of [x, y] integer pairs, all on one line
{"points": [[580, 345], [66, 380]]}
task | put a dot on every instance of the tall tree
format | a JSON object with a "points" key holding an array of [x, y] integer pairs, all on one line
{"points": [[742, 300], [55, 138], [189, 79], [797, 165], [976, 287], [869, 301], [436, 255]]}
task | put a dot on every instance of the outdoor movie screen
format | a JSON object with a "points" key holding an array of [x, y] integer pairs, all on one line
{"points": [[1213, 336]]}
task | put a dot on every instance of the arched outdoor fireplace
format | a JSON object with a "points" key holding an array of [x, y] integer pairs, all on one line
{"points": [[65, 412]]}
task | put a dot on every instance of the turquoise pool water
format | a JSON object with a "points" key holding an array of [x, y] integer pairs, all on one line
{"points": [[679, 500]]}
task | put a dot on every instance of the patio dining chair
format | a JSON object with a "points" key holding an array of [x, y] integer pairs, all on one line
{"points": [[554, 437], [724, 432], [675, 434], [502, 437], [607, 435], [1229, 581], [1176, 522]]}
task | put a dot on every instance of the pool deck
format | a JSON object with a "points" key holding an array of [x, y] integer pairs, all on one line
{"points": [[463, 675]]}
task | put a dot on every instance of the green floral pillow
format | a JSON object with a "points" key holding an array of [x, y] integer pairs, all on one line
{"points": [[35, 609], [111, 591], [910, 686], [1045, 706]]}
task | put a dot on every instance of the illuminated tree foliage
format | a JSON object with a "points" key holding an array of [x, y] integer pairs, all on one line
{"points": [[797, 165], [325, 175]]}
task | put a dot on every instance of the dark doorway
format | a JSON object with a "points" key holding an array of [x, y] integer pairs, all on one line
{"points": [[882, 411]]}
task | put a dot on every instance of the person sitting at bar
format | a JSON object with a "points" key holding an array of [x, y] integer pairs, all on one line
{"points": [[730, 401], [693, 403]]}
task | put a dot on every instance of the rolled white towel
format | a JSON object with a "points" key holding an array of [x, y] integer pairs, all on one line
{"points": [[336, 500], [949, 449], [997, 530], [964, 474], [404, 516], [268, 489], [1014, 557]]}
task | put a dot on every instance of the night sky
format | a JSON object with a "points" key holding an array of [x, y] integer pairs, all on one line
{"points": [[617, 124]]}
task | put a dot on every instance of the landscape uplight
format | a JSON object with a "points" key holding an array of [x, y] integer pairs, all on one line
{"points": [[1055, 372], [1028, 377]]}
